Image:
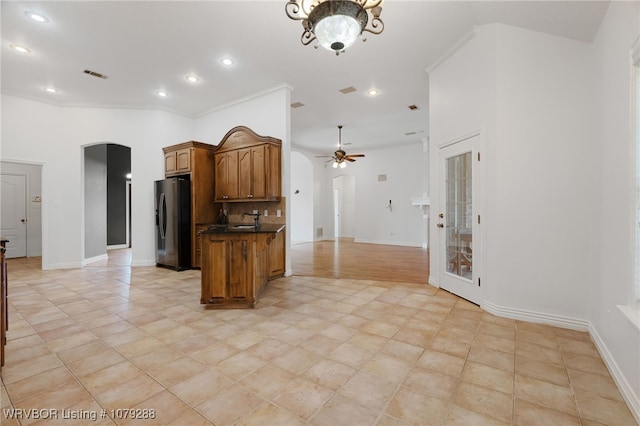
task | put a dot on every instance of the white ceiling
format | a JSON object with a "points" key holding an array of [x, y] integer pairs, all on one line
{"points": [[144, 46]]}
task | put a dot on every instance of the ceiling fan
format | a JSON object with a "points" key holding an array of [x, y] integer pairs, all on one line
{"points": [[340, 156]]}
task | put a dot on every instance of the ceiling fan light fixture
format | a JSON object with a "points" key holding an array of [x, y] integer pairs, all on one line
{"points": [[335, 24], [343, 164]]}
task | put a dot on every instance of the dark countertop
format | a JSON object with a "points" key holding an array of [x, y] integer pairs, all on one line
{"points": [[244, 228]]}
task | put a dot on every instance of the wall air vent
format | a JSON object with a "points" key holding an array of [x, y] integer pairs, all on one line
{"points": [[297, 105], [95, 74], [410, 133], [347, 90], [413, 107]]}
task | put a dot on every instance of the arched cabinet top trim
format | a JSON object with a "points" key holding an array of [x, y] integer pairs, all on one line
{"points": [[244, 137]]}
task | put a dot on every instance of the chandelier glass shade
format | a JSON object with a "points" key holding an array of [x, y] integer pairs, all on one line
{"points": [[335, 24]]}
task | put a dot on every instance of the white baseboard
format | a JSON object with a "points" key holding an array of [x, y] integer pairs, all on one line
{"points": [[63, 265], [389, 243], [534, 316], [632, 400], [95, 259], [117, 247], [433, 281]]}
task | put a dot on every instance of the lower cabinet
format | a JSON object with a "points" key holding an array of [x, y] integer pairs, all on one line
{"points": [[235, 268], [276, 256]]}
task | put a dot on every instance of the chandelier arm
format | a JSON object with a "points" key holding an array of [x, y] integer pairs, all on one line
{"points": [[293, 8], [367, 4], [307, 37], [375, 23]]}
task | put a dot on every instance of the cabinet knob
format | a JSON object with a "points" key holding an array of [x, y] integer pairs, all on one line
{"points": [[249, 196], [440, 225]]}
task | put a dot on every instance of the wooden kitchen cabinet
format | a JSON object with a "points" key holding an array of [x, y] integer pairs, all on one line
{"points": [[177, 162], [199, 229], [248, 167], [195, 160], [236, 266], [276, 256], [4, 306], [228, 270], [226, 187]]}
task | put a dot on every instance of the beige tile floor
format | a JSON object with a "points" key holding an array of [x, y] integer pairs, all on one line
{"points": [[318, 351]]}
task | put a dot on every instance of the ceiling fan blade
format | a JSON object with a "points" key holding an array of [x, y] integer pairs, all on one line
{"points": [[355, 155], [349, 159], [324, 156]]}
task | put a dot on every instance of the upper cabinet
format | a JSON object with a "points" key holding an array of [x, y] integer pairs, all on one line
{"points": [[177, 162], [248, 167]]}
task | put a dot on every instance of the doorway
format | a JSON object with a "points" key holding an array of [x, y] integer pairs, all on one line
{"points": [[344, 207], [13, 220], [459, 219], [107, 199]]}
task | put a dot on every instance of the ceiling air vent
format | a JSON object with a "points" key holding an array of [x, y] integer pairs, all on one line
{"points": [[347, 90], [410, 133], [95, 74], [297, 105], [413, 107]]}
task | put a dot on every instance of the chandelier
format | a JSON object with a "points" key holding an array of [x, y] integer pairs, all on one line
{"points": [[335, 24]]}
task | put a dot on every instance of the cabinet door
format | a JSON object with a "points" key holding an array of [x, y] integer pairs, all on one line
{"points": [[245, 176], [258, 172], [226, 187], [238, 269], [274, 173], [170, 163], [214, 270], [198, 253], [252, 172], [183, 160], [276, 256]]}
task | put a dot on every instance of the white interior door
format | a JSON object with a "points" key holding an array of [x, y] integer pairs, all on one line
{"points": [[13, 214], [458, 219]]}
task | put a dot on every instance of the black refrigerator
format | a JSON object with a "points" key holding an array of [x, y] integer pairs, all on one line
{"points": [[173, 223]]}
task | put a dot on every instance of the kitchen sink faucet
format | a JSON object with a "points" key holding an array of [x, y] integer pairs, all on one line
{"points": [[256, 218]]}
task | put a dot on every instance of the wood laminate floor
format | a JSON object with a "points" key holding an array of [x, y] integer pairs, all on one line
{"points": [[344, 258]]}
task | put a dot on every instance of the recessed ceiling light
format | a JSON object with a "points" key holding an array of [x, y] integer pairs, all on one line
{"points": [[162, 93], [20, 49], [37, 17], [51, 89], [192, 78], [373, 92], [227, 62]]}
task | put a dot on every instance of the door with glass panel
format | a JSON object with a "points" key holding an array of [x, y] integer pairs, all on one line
{"points": [[458, 219]]}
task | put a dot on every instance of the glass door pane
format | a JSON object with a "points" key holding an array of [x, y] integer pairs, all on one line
{"points": [[459, 214]]}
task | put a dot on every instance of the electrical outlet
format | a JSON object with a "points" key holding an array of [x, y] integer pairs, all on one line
{"points": [[255, 212], [278, 212], [266, 213]]}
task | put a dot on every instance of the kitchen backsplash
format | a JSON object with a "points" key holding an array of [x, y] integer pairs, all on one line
{"points": [[235, 210]]}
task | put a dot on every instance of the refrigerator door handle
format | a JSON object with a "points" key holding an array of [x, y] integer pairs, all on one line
{"points": [[163, 219]]}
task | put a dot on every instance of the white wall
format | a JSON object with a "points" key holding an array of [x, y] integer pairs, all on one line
{"points": [[374, 222], [302, 202], [528, 92], [53, 135], [556, 213], [614, 197]]}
